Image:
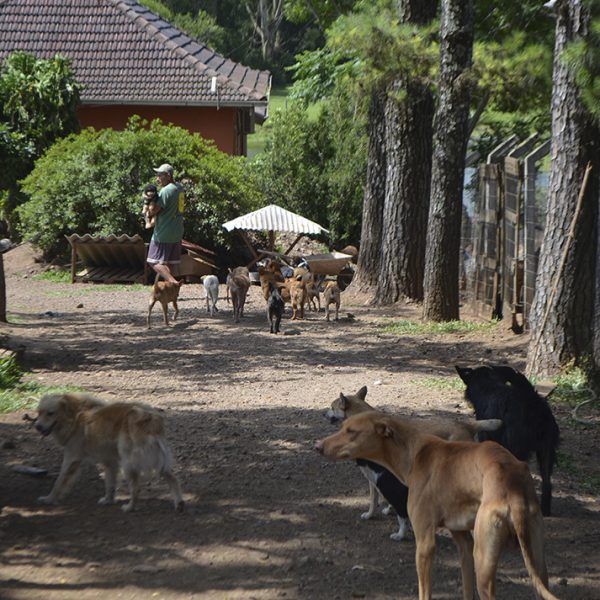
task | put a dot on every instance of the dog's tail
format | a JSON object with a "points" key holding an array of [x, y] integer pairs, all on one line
{"points": [[530, 533]]}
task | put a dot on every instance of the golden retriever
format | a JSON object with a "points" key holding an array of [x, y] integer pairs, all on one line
{"points": [[119, 436]]}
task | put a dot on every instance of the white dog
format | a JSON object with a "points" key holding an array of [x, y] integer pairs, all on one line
{"points": [[211, 289]]}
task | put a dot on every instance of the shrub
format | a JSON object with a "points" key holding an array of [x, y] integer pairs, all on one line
{"points": [[91, 183]]}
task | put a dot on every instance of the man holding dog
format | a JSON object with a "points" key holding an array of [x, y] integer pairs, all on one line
{"points": [[165, 245]]}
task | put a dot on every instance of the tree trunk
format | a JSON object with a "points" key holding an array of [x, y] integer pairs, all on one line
{"points": [[562, 315], [407, 185], [369, 256], [408, 152], [266, 17], [450, 139]]}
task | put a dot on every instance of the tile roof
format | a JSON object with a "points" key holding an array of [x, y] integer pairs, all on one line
{"points": [[123, 53]]}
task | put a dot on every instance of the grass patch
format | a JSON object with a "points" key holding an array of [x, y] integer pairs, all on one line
{"points": [[93, 288], [586, 482], [16, 394], [407, 327], [54, 276], [454, 384], [571, 387]]}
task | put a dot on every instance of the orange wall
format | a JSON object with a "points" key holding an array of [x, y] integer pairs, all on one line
{"points": [[217, 125]]}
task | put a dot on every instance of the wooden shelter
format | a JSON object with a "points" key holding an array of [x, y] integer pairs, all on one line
{"points": [[273, 219]]}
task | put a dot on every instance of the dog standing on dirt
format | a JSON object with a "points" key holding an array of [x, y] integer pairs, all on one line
{"points": [[331, 295], [275, 308], [211, 289], [238, 284], [119, 436], [297, 289], [529, 425], [480, 492], [164, 292], [381, 481]]}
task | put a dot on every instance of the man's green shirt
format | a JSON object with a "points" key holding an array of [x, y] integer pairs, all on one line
{"points": [[169, 221]]}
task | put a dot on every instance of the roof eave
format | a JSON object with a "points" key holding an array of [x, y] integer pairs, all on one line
{"points": [[205, 104]]}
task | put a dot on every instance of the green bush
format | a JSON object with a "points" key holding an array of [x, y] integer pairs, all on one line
{"points": [[316, 167], [91, 183]]}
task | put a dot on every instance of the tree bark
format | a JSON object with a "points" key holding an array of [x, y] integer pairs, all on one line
{"points": [[369, 255], [563, 317], [408, 177], [450, 137], [408, 133]]}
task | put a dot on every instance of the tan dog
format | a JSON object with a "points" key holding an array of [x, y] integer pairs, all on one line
{"points": [[238, 284], [382, 486], [313, 293], [119, 436], [465, 487], [164, 292], [347, 405], [267, 277], [297, 289], [331, 295]]}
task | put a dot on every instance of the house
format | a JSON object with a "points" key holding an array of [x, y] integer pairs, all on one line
{"points": [[130, 61]]}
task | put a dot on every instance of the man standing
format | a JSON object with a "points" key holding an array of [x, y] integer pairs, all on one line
{"points": [[165, 245]]}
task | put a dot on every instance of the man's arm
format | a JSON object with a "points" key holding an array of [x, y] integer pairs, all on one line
{"points": [[153, 209]]}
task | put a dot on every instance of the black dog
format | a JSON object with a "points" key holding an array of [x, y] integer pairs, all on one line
{"points": [[275, 308], [528, 423]]}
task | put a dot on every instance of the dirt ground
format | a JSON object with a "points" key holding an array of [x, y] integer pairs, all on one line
{"points": [[266, 517]]}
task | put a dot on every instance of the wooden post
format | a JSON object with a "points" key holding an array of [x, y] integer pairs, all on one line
{"points": [[2, 291], [294, 243], [73, 261]]}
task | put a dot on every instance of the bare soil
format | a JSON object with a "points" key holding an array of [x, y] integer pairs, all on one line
{"points": [[266, 517]]}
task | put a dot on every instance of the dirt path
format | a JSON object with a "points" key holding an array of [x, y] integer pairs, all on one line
{"points": [[266, 516]]}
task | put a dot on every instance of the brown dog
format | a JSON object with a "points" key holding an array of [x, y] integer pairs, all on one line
{"points": [[465, 487], [297, 289], [164, 292], [331, 295], [119, 436], [238, 283], [382, 484]]}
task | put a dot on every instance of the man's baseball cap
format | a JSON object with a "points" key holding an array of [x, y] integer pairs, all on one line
{"points": [[166, 168]]}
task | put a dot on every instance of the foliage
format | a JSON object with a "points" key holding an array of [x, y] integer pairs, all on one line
{"points": [[583, 58], [514, 81], [343, 121], [200, 26], [324, 12], [38, 104], [92, 182], [495, 21], [290, 168], [385, 48]]}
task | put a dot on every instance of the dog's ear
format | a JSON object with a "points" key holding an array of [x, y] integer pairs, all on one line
{"points": [[344, 401], [362, 393], [383, 429], [463, 373]]}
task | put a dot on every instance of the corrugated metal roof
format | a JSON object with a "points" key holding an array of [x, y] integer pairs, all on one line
{"points": [[274, 218]]}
